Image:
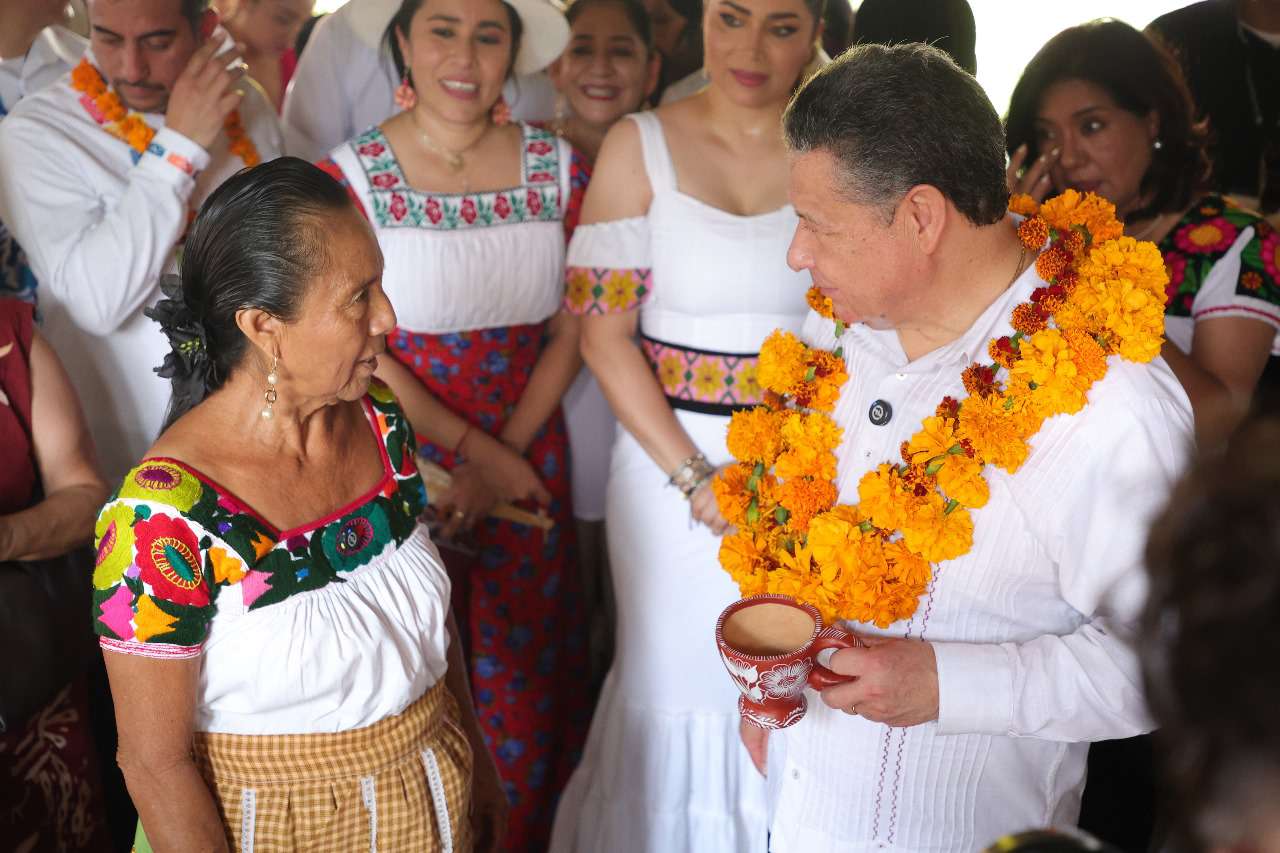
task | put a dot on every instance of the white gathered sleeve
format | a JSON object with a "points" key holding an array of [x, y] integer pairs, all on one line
{"points": [[616, 244], [72, 239]]}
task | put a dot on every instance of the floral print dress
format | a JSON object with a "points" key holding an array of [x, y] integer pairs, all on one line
{"points": [[1223, 261], [474, 278]]}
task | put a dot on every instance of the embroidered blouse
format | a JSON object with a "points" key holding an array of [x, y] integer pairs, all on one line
{"points": [[331, 626], [462, 262], [1223, 261]]}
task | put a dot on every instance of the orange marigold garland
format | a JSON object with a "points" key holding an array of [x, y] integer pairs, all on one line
{"points": [[871, 562], [132, 129]]}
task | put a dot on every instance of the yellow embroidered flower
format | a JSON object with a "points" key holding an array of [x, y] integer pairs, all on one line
{"points": [[620, 291], [671, 372], [164, 482], [960, 478], [227, 566], [747, 380], [993, 431], [708, 379], [938, 535], [149, 620], [782, 362], [577, 289], [113, 534], [755, 435]]}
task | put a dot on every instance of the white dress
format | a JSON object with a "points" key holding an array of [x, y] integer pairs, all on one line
{"points": [[663, 768]]}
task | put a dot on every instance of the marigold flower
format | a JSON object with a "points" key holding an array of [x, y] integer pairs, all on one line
{"points": [[1048, 373], [833, 536], [1023, 205], [804, 497], [1033, 232], [809, 441], [1122, 290], [883, 498], [755, 435], [1052, 263], [979, 380], [782, 362], [820, 303], [1027, 319], [960, 478], [994, 432], [1073, 242], [936, 437], [948, 408], [744, 555], [732, 495], [938, 535], [1096, 214], [1087, 354]]}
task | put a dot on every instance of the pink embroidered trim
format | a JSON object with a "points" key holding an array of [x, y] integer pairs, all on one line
{"points": [[718, 379], [604, 291], [160, 651], [1245, 308], [181, 162]]}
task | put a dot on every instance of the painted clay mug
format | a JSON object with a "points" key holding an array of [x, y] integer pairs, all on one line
{"points": [[769, 644]]}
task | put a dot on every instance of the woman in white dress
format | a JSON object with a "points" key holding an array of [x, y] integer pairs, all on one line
{"points": [[679, 270]]}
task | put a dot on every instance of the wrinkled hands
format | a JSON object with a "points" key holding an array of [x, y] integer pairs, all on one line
{"points": [[498, 474], [203, 96], [894, 681]]}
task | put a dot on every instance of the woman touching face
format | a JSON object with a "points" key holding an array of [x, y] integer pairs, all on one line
{"points": [[755, 50], [459, 53], [331, 350], [608, 70], [1100, 147]]}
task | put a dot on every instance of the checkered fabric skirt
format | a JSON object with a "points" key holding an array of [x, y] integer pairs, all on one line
{"points": [[403, 784]]}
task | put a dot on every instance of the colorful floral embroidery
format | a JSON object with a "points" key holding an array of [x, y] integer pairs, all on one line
{"points": [[605, 291], [1203, 237], [396, 204], [713, 382], [171, 544]]}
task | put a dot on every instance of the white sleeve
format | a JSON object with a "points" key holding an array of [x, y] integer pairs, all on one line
{"points": [[316, 110], [1085, 685], [100, 262]]}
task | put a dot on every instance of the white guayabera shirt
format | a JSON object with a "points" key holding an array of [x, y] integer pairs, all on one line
{"points": [[100, 225], [1029, 627]]}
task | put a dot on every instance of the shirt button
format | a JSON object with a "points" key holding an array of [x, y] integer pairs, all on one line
{"points": [[880, 413], [795, 774], [901, 376]]}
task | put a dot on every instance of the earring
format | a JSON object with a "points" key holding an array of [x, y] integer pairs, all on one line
{"points": [[561, 120], [501, 112], [1157, 145], [270, 395], [406, 95]]}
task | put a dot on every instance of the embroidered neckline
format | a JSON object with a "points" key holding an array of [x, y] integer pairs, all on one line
{"points": [[394, 203]]}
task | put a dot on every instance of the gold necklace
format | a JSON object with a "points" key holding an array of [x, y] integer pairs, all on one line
{"points": [[455, 160]]}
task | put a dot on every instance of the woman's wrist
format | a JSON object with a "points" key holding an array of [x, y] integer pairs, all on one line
{"points": [[692, 474]]}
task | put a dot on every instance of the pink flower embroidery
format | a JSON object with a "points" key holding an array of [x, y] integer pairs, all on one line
{"points": [[1206, 238], [540, 147], [502, 207], [398, 207], [541, 178], [371, 149], [433, 211], [468, 211], [1176, 264], [534, 202], [385, 181], [1271, 255]]}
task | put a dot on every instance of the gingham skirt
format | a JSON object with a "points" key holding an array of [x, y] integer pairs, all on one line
{"points": [[403, 784]]}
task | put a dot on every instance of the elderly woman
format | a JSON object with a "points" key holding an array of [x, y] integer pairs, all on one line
{"points": [[1102, 109], [471, 211], [274, 615]]}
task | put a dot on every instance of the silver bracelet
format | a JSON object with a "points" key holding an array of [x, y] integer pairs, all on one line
{"points": [[691, 475]]}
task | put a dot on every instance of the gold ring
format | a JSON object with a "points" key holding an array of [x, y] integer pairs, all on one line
{"points": [[459, 514]]}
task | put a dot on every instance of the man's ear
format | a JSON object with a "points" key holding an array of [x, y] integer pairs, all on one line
{"points": [[208, 23], [923, 214]]}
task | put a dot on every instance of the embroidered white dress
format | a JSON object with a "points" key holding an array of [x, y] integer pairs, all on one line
{"points": [[663, 770]]}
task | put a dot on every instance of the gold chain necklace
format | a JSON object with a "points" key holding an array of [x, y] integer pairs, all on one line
{"points": [[455, 160]]}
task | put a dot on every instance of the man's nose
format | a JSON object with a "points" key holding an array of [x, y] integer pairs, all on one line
{"points": [[799, 257], [134, 67]]}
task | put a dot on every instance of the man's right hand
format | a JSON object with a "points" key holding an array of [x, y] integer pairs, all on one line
{"points": [[203, 96], [756, 740]]}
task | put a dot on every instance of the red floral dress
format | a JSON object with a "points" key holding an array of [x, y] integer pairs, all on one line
{"points": [[472, 294]]}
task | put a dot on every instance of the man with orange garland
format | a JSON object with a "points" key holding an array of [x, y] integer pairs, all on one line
{"points": [[99, 173], [969, 715]]}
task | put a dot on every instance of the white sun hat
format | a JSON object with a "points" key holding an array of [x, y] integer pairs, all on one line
{"points": [[546, 32]]}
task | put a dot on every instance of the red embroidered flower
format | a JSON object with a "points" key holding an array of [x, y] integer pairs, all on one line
{"points": [[371, 149], [502, 207], [433, 211], [541, 178], [539, 147], [468, 211], [168, 557], [1176, 264], [1207, 237], [1271, 254], [385, 181], [398, 207], [535, 202]]}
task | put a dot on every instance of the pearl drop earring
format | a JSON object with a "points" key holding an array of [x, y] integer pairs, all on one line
{"points": [[270, 395]]}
